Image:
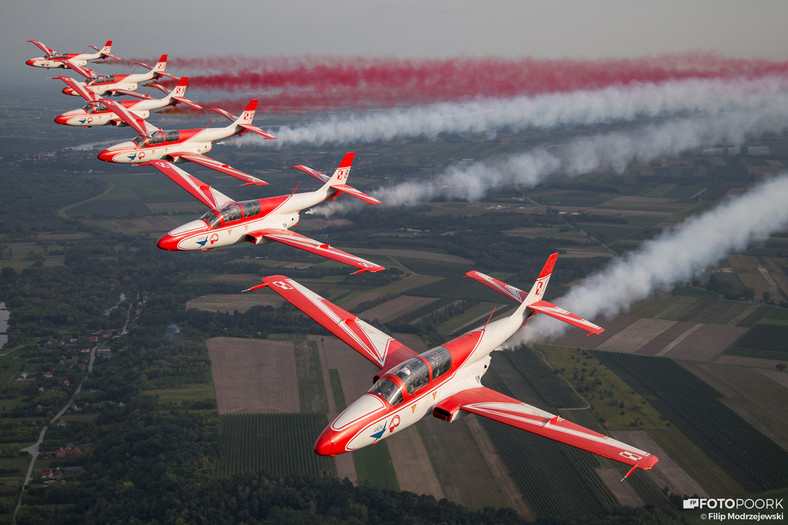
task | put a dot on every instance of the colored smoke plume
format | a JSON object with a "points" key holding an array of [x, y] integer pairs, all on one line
{"points": [[549, 111], [333, 82], [672, 258]]}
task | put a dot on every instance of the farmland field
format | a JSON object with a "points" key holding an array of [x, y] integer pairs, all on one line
{"points": [[277, 444], [748, 456], [250, 375]]}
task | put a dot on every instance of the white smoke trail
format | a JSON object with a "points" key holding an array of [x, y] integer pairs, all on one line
{"points": [[606, 151], [613, 104], [673, 257], [92, 145]]}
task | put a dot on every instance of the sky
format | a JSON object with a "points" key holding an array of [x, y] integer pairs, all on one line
{"points": [[402, 28]]}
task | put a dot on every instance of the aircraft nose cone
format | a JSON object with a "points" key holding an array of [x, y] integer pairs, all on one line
{"points": [[325, 445], [106, 155], [31, 62], [62, 119], [168, 242], [68, 91]]}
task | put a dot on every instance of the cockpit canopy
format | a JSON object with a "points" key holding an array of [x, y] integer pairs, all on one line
{"points": [[95, 107], [57, 56], [414, 374], [156, 137], [102, 79], [230, 212]]}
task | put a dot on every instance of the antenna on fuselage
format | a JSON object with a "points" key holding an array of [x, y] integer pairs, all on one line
{"points": [[488, 319]]}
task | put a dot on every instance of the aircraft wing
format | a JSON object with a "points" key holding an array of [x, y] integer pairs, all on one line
{"points": [[40, 45], [504, 409], [562, 315], [197, 188], [85, 72], [302, 242], [129, 93], [379, 348], [208, 162], [79, 88], [499, 286], [138, 124]]}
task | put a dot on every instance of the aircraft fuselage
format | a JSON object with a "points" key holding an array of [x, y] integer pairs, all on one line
{"points": [[384, 411], [234, 221]]}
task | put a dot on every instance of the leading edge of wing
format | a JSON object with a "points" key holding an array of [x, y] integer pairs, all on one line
{"points": [[504, 409], [378, 347], [198, 189]]}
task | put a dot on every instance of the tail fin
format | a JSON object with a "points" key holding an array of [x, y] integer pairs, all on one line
{"points": [[343, 170], [180, 89], [246, 117], [532, 303], [107, 49], [540, 285], [176, 96], [337, 182], [161, 64]]}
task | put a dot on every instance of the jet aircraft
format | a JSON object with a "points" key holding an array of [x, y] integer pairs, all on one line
{"points": [[444, 381], [75, 61], [119, 84], [179, 145], [260, 221], [96, 113]]}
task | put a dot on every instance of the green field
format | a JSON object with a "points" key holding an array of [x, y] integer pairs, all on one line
{"points": [[749, 457], [277, 444]]}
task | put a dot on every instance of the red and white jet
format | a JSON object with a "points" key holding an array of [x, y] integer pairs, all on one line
{"points": [[260, 221], [446, 380], [96, 113], [75, 61], [119, 84], [179, 145]]}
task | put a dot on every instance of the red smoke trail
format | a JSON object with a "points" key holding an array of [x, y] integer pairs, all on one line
{"points": [[332, 82]]}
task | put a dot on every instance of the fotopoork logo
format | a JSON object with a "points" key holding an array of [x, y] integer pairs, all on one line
{"points": [[743, 509], [734, 503]]}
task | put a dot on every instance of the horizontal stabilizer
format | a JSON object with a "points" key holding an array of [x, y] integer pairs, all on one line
{"points": [[312, 173], [187, 102], [255, 129], [559, 313], [499, 286], [350, 190]]}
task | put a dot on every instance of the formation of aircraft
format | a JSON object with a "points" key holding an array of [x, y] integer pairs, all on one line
{"points": [[119, 84], [75, 61], [96, 113], [444, 381], [260, 221]]}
